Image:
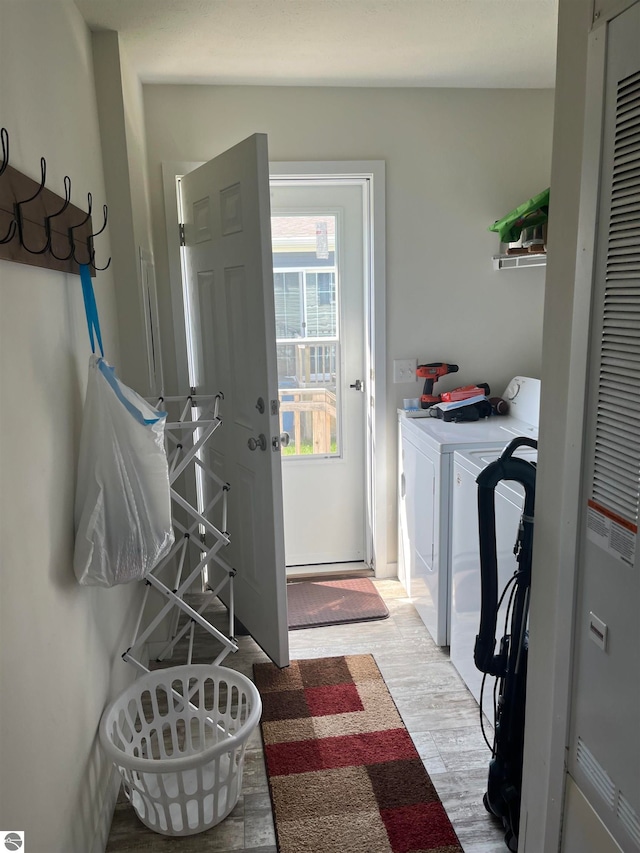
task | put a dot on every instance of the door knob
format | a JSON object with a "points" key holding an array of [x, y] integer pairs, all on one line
{"points": [[259, 442], [358, 385], [281, 440]]}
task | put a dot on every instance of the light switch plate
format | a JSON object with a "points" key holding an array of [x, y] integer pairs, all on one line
{"points": [[598, 631], [404, 370]]}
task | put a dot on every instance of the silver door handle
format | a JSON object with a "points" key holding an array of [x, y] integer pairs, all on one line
{"points": [[259, 442], [358, 385]]}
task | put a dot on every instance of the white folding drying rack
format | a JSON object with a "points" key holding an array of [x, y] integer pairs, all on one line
{"points": [[185, 438]]}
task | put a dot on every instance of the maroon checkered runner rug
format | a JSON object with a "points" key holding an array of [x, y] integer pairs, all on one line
{"points": [[344, 774]]}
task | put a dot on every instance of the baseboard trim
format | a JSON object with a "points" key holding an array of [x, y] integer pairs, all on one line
{"points": [[388, 571]]}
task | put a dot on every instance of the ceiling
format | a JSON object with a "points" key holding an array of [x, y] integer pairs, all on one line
{"points": [[458, 43]]}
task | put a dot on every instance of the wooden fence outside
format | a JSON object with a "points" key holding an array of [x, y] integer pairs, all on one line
{"points": [[314, 417]]}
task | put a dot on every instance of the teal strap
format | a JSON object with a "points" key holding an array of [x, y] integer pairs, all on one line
{"points": [[109, 374], [91, 309]]}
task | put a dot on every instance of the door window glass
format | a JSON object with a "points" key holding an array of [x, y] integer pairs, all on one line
{"points": [[308, 347]]}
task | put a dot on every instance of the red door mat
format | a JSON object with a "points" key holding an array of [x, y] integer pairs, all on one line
{"points": [[315, 603]]}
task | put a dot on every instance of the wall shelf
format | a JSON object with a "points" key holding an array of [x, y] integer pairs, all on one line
{"points": [[507, 262]]}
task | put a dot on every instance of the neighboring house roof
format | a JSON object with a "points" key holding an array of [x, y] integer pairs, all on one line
{"points": [[301, 233]]}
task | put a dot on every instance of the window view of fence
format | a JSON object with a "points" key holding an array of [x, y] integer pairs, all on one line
{"points": [[308, 398], [307, 334]]}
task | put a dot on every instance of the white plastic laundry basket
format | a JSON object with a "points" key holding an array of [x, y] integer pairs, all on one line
{"points": [[178, 736]]}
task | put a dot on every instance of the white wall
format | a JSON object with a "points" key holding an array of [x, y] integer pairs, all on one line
{"points": [[120, 112], [60, 643], [456, 160]]}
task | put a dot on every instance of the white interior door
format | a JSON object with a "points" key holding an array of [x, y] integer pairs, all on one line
{"points": [[318, 232], [229, 280]]}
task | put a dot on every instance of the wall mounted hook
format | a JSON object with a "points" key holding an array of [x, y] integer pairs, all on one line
{"points": [[105, 212], [51, 231], [4, 138], [11, 233], [79, 225], [18, 211], [47, 222]]}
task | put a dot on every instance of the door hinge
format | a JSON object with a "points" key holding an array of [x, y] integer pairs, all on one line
{"points": [[181, 230]]}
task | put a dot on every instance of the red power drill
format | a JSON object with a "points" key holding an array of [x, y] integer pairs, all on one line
{"points": [[431, 373]]}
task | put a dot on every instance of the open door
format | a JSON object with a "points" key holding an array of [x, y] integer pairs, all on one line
{"points": [[229, 280]]}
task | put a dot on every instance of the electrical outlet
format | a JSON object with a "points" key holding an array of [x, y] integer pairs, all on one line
{"points": [[404, 369]]}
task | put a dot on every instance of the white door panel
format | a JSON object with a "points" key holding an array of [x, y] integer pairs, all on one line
{"points": [[324, 491], [228, 270]]}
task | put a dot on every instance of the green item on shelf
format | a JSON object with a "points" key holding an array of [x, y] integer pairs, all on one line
{"points": [[532, 212]]}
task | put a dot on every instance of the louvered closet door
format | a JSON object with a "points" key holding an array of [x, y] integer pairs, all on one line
{"points": [[617, 448], [604, 755]]}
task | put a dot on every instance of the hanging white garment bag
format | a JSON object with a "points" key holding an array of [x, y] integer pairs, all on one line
{"points": [[123, 500]]}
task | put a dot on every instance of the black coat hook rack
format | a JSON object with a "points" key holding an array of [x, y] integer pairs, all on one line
{"points": [[39, 227]]}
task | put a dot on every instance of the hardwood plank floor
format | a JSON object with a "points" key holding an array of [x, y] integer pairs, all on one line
{"points": [[438, 710]]}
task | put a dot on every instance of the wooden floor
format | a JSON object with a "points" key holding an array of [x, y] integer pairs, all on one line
{"points": [[438, 710]]}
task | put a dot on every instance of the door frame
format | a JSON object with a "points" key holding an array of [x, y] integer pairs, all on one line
{"points": [[372, 173], [546, 738]]}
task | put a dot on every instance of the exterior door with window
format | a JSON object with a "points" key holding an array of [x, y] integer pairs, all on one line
{"points": [[319, 259]]}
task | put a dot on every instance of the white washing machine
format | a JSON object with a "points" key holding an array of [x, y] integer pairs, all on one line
{"points": [[425, 478], [465, 556]]}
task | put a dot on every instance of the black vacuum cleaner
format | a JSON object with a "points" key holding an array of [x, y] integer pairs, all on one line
{"points": [[509, 665]]}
